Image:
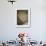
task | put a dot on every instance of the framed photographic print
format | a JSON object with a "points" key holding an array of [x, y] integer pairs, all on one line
{"points": [[23, 17]]}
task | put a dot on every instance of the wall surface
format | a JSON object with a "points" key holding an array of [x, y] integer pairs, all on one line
{"points": [[8, 30]]}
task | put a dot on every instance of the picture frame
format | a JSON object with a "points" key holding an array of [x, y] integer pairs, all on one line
{"points": [[24, 15]]}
